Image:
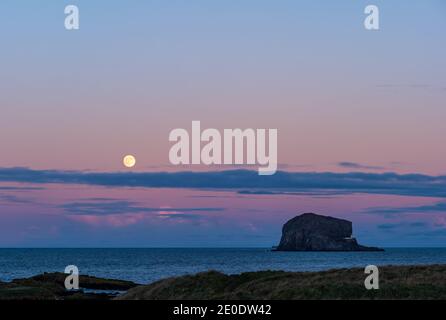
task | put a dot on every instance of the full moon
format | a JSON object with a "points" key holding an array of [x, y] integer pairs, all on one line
{"points": [[129, 161]]}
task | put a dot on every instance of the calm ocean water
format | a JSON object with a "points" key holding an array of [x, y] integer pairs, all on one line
{"points": [[148, 265]]}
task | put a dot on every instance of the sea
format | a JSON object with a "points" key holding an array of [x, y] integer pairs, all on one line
{"points": [[151, 264]]}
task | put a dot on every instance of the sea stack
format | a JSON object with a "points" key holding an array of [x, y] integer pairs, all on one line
{"points": [[312, 232]]}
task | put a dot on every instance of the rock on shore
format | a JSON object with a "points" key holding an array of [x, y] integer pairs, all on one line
{"points": [[312, 232], [50, 286]]}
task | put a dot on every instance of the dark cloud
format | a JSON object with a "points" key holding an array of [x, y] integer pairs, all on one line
{"points": [[308, 192], [392, 226], [418, 224], [388, 226], [113, 207], [358, 166], [409, 85], [353, 182], [7, 188], [412, 86], [439, 207], [428, 234], [7, 197], [14, 199], [262, 192], [288, 166]]}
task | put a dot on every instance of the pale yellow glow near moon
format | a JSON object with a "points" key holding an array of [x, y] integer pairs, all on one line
{"points": [[129, 161]]}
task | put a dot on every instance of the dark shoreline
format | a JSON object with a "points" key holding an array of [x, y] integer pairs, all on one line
{"points": [[396, 282], [51, 286]]}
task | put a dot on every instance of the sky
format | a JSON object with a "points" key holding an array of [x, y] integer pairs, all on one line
{"points": [[360, 118]]}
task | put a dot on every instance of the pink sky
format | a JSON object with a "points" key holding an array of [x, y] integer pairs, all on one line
{"points": [[82, 100], [342, 98]]}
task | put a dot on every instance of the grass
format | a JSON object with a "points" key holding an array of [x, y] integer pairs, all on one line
{"points": [[396, 282]]}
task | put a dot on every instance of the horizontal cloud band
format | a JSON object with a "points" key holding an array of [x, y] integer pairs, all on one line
{"points": [[355, 182]]}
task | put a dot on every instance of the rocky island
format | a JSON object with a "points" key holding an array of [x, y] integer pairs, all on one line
{"points": [[312, 232]]}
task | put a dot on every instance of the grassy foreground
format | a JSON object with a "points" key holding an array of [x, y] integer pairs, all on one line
{"points": [[396, 282]]}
